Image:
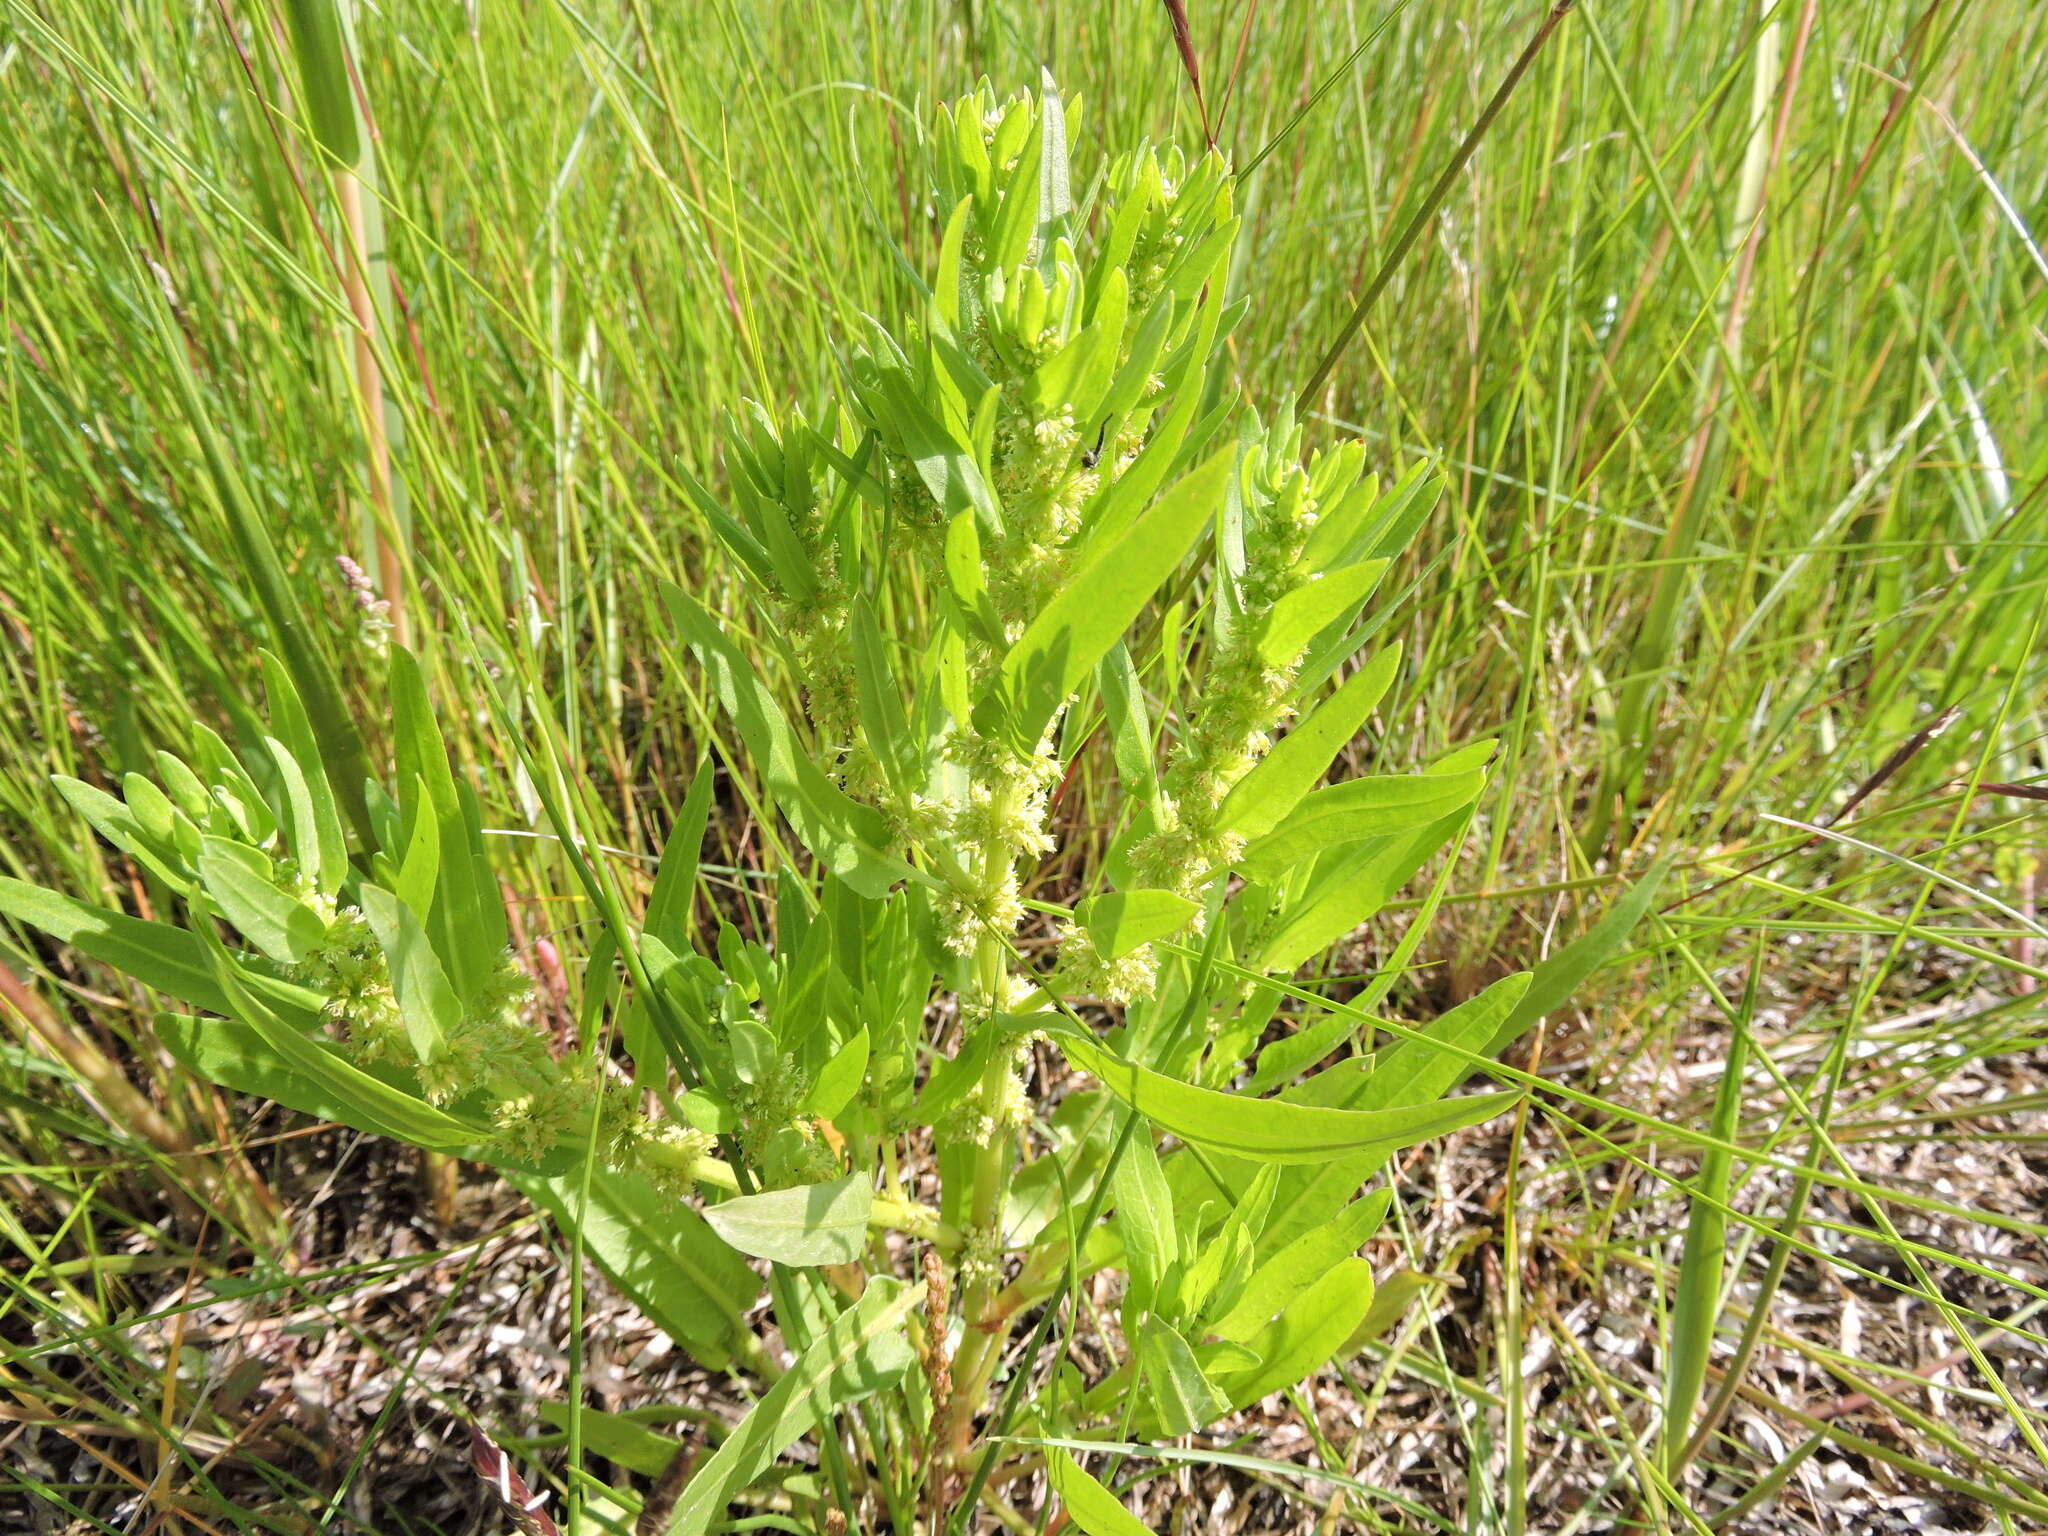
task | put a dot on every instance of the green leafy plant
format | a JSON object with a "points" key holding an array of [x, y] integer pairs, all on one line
{"points": [[1035, 524]]}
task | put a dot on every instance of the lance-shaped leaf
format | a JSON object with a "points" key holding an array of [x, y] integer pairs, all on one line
{"points": [[1119, 921], [246, 891], [1307, 1335], [466, 917], [1352, 881], [426, 1000], [1559, 976], [1269, 1130], [171, 960], [658, 1252], [1181, 1396], [810, 1224], [1299, 1264], [864, 1350], [237, 1056], [1354, 810], [325, 858], [1076, 629], [1301, 615], [1262, 798], [118, 824], [365, 1099], [1092, 1507]]}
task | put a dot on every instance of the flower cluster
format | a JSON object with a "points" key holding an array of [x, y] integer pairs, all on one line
{"points": [[1247, 689]]}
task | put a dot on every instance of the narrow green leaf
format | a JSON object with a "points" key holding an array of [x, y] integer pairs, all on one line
{"points": [[1269, 1130], [326, 861], [239, 1057], [1299, 616], [324, 77], [1130, 724], [301, 821], [467, 916], [341, 745], [1352, 881], [840, 1078], [631, 1440], [1420, 1070], [864, 1350], [118, 824], [808, 1225], [1055, 199], [1182, 1397], [968, 580], [171, 960], [1298, 1265], [1356, 809], [1307, 1335], [1092, 1507], [880, 700], [1557, 978], [1144, 1218], [421, 870], [1391, 1298], [675, 878], [1260, 800]]}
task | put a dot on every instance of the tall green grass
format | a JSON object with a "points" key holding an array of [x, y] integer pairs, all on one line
{"points": [[1726, 337]]}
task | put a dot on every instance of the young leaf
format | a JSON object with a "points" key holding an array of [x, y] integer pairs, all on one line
{"points": [[467, 916], [1269, 1130], [325, 860], [1130, 725], [839, 1079], [1144, 1216], [426, 1000], [1307, 1335], [1357, 809], [276, 922], [863, 1351], [1301, 615], [882, 718], [1182, 1397], [1120, 921], [1055, 199], [675, 878], [1352, 881], [1300, 1264], [810, 1224], [117, 824], [1073, 631]]}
